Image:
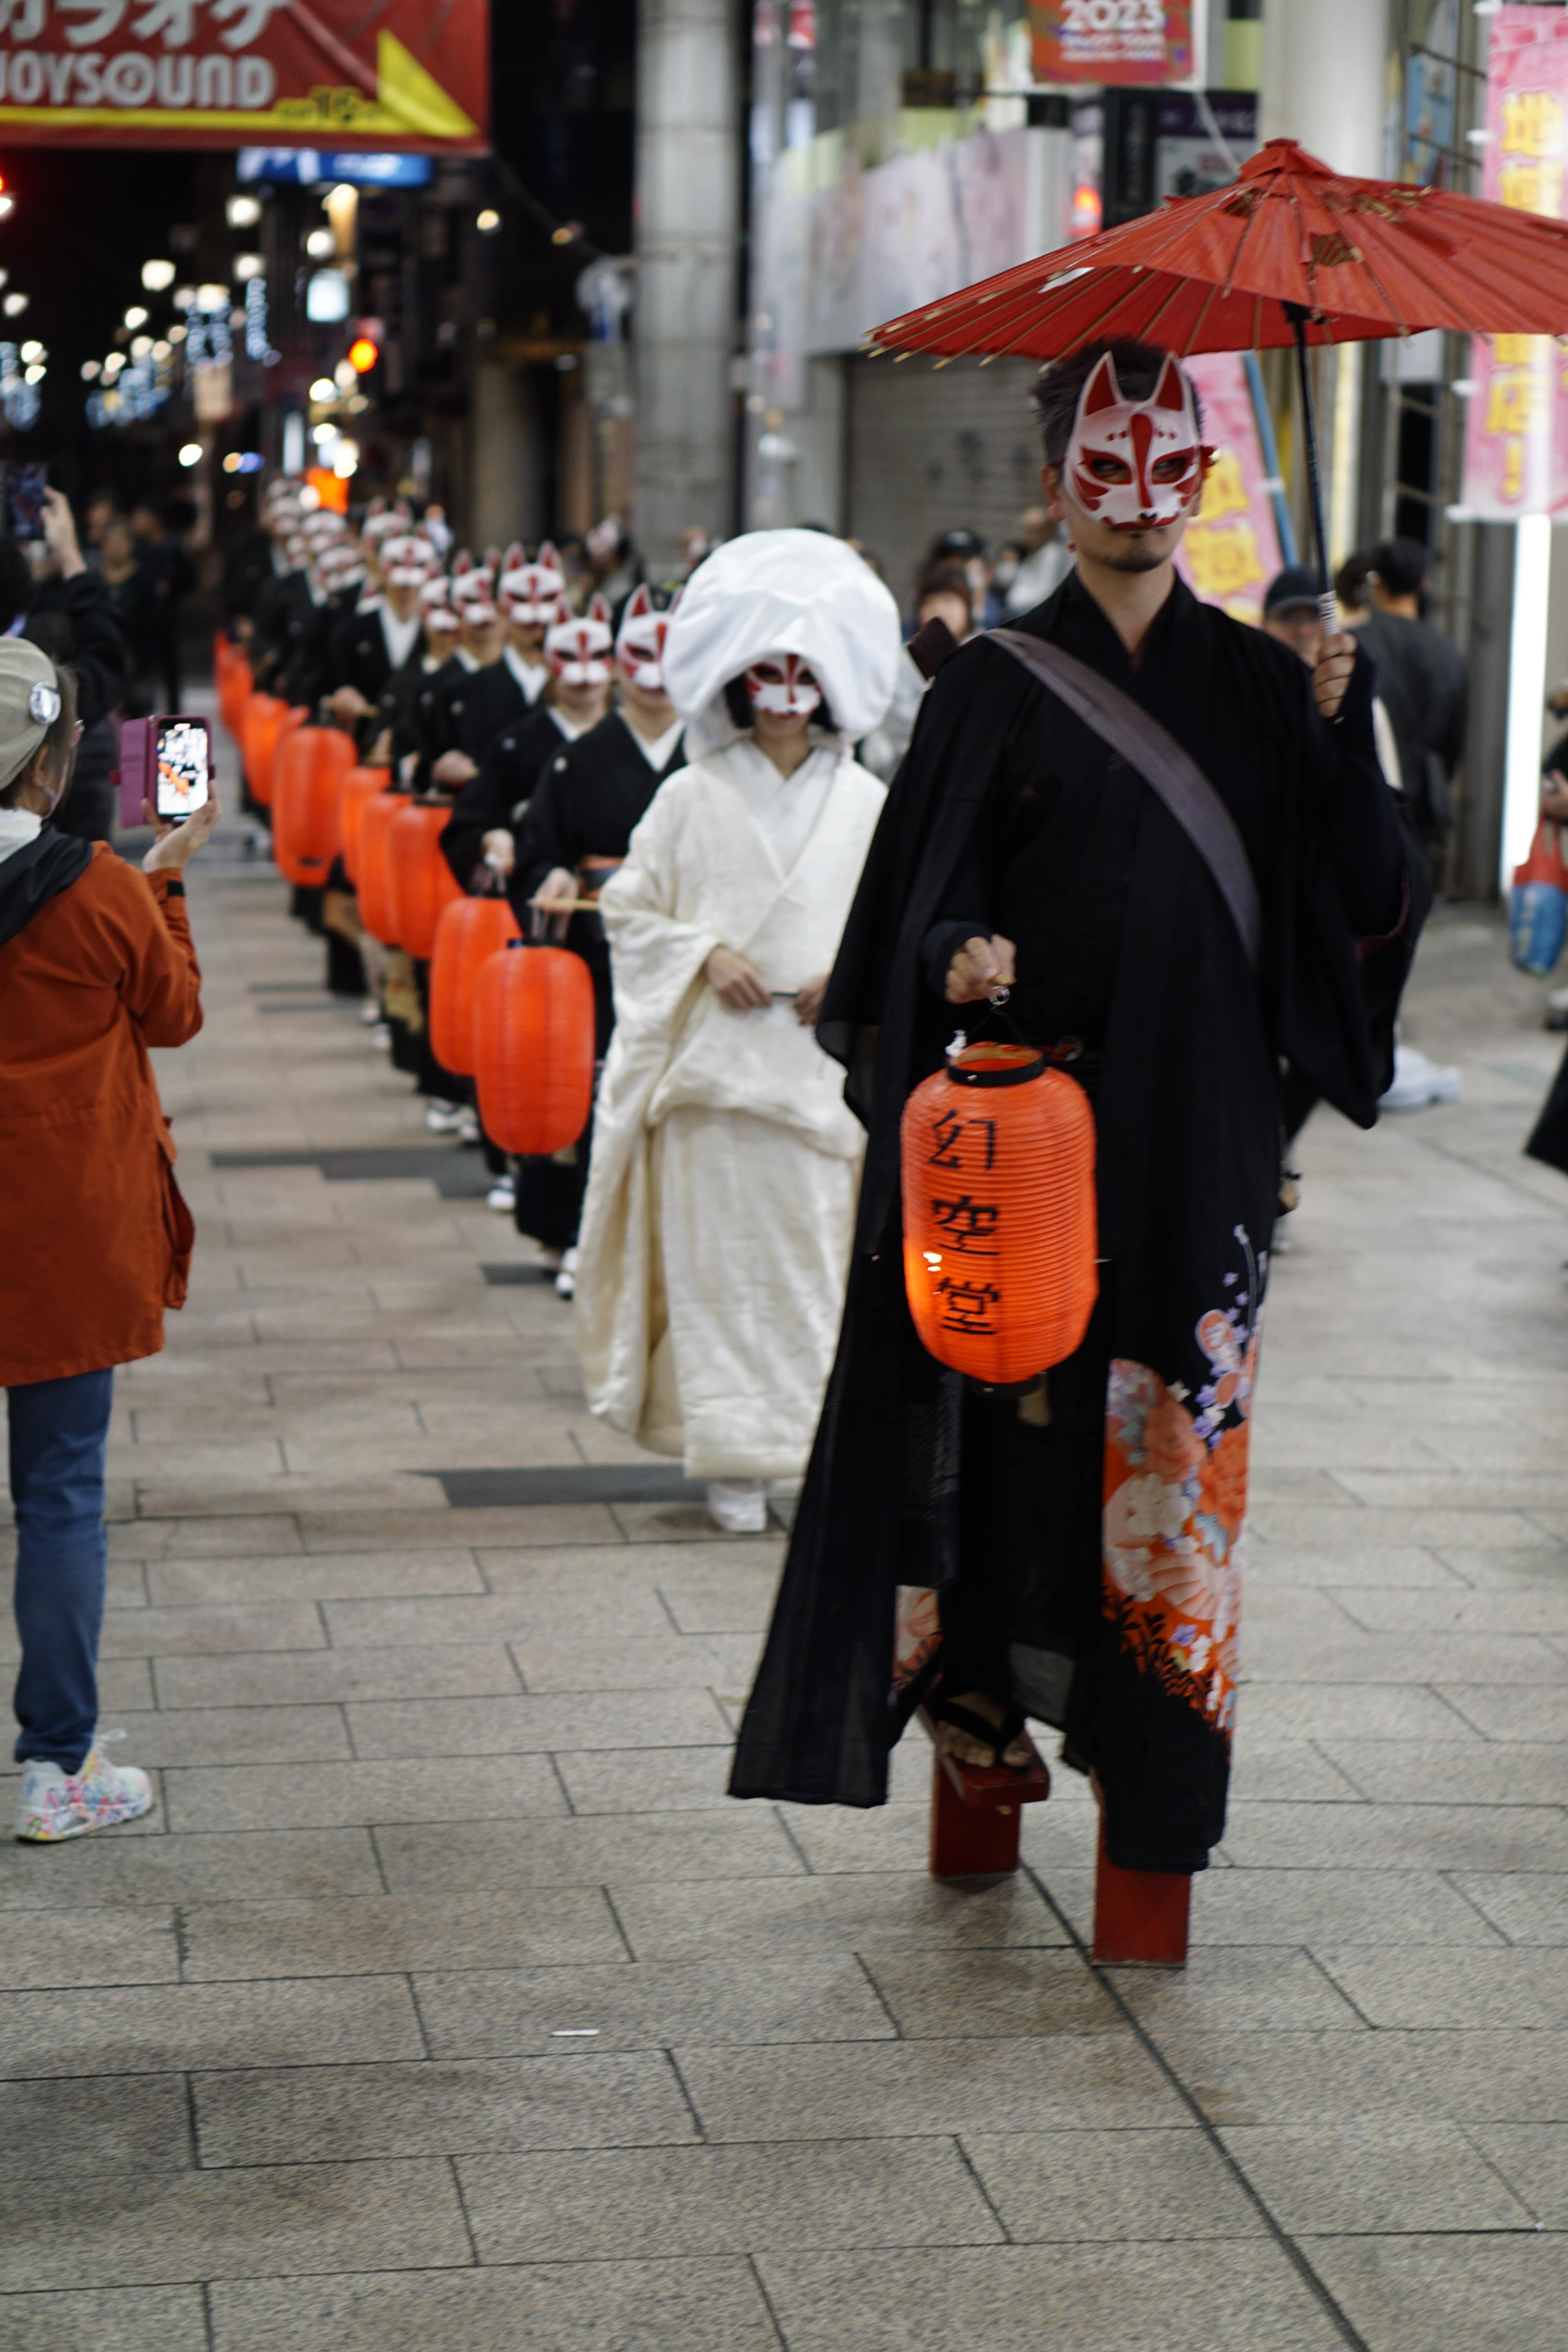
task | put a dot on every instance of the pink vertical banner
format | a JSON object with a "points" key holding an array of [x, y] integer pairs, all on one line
{"points": [[1231, 551], [1516, 432]]}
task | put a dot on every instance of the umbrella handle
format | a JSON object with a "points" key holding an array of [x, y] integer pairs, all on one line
{"points": [[1327, 604]]}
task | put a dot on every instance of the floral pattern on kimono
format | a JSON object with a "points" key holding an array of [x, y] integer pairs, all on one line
{"points": [[1175, 1508]]}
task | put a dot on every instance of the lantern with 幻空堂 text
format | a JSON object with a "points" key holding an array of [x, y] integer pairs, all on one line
{"points": [[373, 880], [469, 933], [418, 875], [533, 1049], [999, 1214], [307, 776], [360, 785]]}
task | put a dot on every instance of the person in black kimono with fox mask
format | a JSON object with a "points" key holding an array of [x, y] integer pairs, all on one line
{"points": [[1084, 1540]]}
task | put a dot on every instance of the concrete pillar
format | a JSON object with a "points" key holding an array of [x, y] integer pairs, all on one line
{"points": [[506, 459], [688, 170]]}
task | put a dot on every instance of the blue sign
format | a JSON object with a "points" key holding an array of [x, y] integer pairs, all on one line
{"points": [[304, 166]]}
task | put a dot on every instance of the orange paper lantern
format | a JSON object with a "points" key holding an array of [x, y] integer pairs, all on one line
{"points": [[418, 875], [258, 726], [533, 1049], [309, 772], [999, 1214], [373, 879], [293, 718], [360, 785], [469, 933]]}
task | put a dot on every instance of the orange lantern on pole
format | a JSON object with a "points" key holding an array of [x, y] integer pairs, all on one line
{"points": [[1000, 1225], [533, 1049], [258, 726], [373, 880], [360, 785], [418, 875], [306, 831], [293, 718], [469, 933]]}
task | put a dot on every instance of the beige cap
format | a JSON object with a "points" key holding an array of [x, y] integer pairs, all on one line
{"points": [[29, 704]]}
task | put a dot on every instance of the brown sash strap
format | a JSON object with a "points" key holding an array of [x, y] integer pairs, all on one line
{"points": [[1165, 767]]}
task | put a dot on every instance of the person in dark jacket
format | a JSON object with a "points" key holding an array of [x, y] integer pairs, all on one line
{"points": [[68, 612], [1422, 683], [171, 576]]}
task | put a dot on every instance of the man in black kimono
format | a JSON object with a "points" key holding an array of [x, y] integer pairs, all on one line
{"points": [[1085, 1538], [492, 803], [372, 643]]}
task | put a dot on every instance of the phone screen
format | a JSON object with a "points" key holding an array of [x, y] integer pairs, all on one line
{"points": [[24, 488], [182, 769]]}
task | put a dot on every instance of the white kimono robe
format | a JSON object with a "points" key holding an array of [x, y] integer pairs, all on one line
{"points": [[721, 1202]]}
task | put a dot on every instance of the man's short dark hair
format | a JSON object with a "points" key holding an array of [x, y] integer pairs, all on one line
{"points": [[1402, 566], [945, 580], [1059, 387]]}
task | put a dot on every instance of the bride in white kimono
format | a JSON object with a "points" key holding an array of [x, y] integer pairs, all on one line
{"points": [[721, 1203]]}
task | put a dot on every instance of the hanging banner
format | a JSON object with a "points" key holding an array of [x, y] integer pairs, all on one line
{"points": [[1231, 551], [391, 74], [1114, 41], [1516, 432]]}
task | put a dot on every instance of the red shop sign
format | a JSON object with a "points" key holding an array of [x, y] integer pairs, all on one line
{"points": [[1118, 41], [244, 73]]}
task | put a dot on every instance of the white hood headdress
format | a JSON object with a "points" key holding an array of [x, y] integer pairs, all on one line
{"points": [[781, 592]]}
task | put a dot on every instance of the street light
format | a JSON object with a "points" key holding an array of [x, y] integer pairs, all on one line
{"points": [[323, 389], [31, 352], [136, 316], [242, 212], [191, 454], [14, 305], [90, 370], [248, 265], [321, 244], [140, 347], [488, 222], [362, 355], [157, 276]]}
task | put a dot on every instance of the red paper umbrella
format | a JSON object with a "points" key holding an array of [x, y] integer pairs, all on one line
{"points": [[1289, 253]]}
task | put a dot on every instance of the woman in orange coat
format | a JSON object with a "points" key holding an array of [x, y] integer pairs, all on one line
{"points": [[95, 965]]}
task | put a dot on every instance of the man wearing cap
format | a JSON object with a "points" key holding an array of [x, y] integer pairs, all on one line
{"points": [[1166, 837]]}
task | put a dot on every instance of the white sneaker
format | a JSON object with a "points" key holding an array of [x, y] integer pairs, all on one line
{"points": [[468, 1127], [503, 1196], [1417, 1081], [739, 1505], [57, 1804], [442, 1117], [566, 1280]]}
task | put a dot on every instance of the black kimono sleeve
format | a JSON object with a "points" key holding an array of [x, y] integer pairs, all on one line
{"points": [[546, 838]]}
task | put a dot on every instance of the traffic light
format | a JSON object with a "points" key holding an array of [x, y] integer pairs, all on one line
{"points": [[362, 355]]}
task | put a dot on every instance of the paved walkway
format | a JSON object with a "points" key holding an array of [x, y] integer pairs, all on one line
{"points": [[446, 2002]]}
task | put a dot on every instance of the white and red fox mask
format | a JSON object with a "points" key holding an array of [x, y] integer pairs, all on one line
{"points": [[784, 684], [1137, 465], [578, 651], [436, 605], [534, 595], [640, 642], [407, 560], [473, 593]]}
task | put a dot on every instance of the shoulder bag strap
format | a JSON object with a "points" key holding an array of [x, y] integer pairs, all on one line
{"points": [[1159, 758]]}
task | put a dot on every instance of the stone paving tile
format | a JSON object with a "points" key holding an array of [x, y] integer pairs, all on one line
{"points": [[560, 1722], [319, 1796], [1486, 2295], [130, 2319], [1272, 2078], [1388, 1836], [1367, 2178], [153, 2028], [1430, 1988], [129, 2231], [518, 1618], [1525, 1906], [373, 1935], [106, 1947], [1217, 2296], [623, 2203], [1534, 2160], [1000, 1990], [898, 2089], [1415, 1772], [670, 2306], [136, 2124], [217, 1539], [1247, 1987], [324, 2112], [1115, 2186], [246, 1866], [234, 1735], [337, 1675], [1341, 1907], [456, 1856], [769, 1919], [385, 1576], [487, 2012], [1504, 1712], [207, 1632]]}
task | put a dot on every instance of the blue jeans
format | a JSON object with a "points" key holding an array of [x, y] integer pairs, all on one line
{"points": [[60, 1430]]}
